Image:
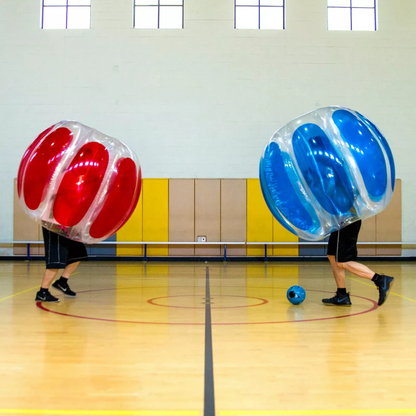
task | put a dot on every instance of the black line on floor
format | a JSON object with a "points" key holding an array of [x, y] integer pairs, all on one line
{"points": [[209, 399]]}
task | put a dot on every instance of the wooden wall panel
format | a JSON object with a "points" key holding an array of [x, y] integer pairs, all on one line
{"points": [[24, 228], [156, 215], [181, 215], [389, 224], [132, 230], [234, 214], [367, 233], [207, 215], [259, 219], [215, 208], [281, 234]]}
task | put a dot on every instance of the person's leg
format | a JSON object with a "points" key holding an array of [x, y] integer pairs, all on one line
{"points": [[48, 278], [338, 272], [384, 283], [69, 269], [62, 283], [357, 268], [53, 257], [43, 295], [342, 254], [76, 253], [341, 297]]}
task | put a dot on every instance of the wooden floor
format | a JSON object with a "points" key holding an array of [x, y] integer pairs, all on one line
{"points": [[136, 341]]}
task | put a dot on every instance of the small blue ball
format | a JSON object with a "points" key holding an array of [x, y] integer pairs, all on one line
{"points": [[296, 294]]}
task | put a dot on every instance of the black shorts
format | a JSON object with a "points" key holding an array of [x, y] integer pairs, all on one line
{"points": [[343, 243], [61, 251]]}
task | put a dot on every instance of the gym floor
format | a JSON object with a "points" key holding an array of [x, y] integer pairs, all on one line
{"points": [[203, 338]]}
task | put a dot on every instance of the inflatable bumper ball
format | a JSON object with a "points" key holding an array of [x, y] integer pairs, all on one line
{"points": [[325, 170], [78, 182]]}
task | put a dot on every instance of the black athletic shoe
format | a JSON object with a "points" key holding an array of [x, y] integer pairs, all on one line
{"points": [[384, 286], [64, 288], [338, 300], [45, 297]]}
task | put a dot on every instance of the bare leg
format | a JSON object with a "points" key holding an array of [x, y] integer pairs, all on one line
{"points": [[358, 269], [341, 298], [338, 272], [49, 276], [70, 269], [383, 283]]}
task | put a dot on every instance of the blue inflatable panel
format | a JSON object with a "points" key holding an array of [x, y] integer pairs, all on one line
{"points": [[386, 147], [322, 169], [278, 191], [366, 150]]}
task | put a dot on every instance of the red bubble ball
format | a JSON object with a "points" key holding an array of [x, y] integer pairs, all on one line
{"points": [[78, 182]]}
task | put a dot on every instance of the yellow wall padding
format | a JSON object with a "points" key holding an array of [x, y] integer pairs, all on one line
{"points": [[281, 234], [156, 215], [132, 230], [259, 219]]}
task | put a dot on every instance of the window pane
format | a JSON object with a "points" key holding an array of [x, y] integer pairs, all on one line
{"points": [[363, 19], [171, 2], [271, 2], [54, 18], [339, 19], [145, 17], [79, 2], [271, 18], [146, 2], [79, 17], [54, 3], [339, 3], [247, 2], [363, 3], [247, 18], [170, 17]]}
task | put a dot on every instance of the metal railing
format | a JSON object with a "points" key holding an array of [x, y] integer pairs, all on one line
{"points": [[220, 243]]}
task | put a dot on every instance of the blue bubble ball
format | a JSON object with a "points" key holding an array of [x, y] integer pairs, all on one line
{"points": [[296, 294], [325, 170]]}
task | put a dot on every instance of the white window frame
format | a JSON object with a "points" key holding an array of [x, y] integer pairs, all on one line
{"points": [[351, 9], [260, 7], [67, 8], [160, 7]]}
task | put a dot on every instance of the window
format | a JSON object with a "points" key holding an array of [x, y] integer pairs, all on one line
{"points": [[158, 14], [259, 14], [66, 14], [352, 15]]}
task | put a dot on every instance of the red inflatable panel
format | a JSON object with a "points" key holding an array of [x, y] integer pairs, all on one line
{"points": [[80, 184], [42, 163], [117, 204]]}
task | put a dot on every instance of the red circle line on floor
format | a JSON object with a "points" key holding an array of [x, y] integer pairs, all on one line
{"points": [[262, 302], [372, 308]]}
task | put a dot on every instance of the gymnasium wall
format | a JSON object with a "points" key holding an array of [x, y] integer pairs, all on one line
{"points": [[202, 102], [222, 210]]}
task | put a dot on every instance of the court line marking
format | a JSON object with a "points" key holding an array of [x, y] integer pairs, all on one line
{"points": [[391, 293], [374, 307], [101, 412], [17, 294], [316, 412], [209, 395], [24, 291], [152, 302]]}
